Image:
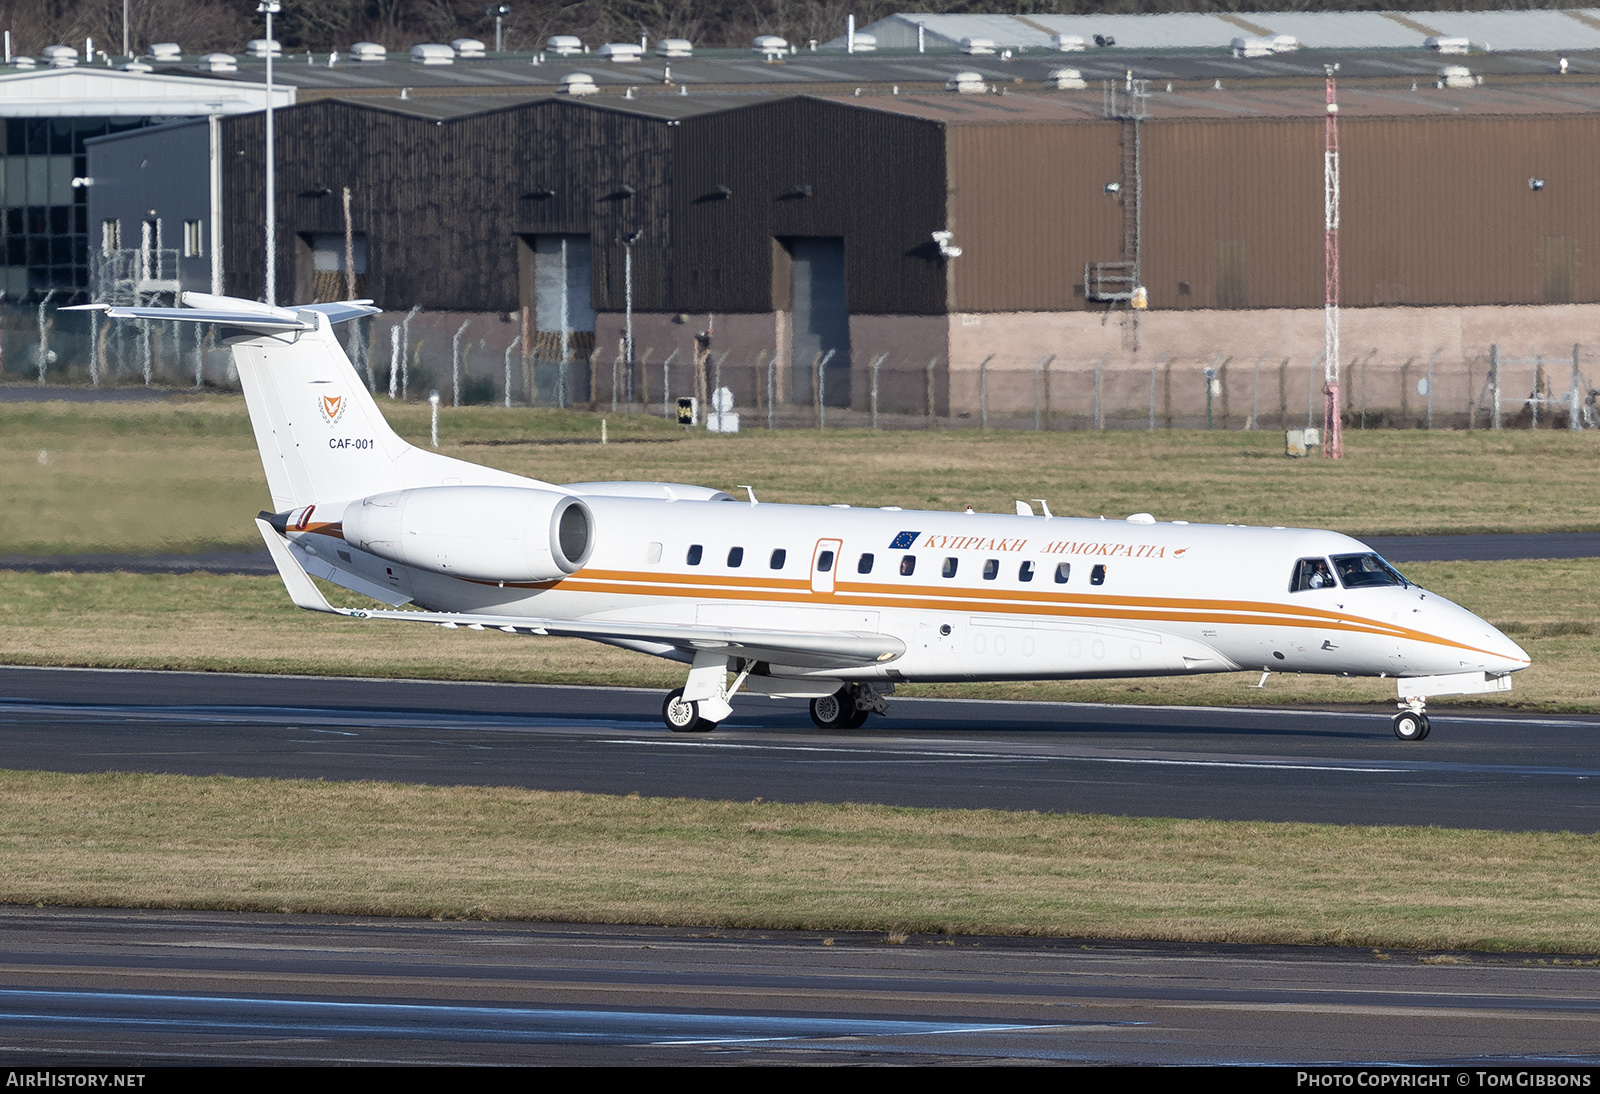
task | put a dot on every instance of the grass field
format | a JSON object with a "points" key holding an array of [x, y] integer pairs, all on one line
{"points": [[214, 622], [485, 852], [182, 475]]}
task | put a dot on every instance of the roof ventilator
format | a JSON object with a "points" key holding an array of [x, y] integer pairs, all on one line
{"points": [[967, 83], [257, 47], [770, 46], [433, 53], [621, 52], [1445, 43], [977, 47], [369, 51], [564, 45], [218, 62], [162, 52], [674, 47], [1066, 79], [577, 83], [468, 49], [1457, 76], [59, 56]]}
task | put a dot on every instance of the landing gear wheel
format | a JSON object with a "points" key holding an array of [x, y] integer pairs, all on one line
{"points": [[1411, 726], [683, 715], [832, 711]]}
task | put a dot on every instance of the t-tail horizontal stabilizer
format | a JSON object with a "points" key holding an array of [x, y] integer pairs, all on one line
{"points": [[230, 311]]}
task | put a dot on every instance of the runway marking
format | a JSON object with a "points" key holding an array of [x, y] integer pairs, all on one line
{"points": [[370, 720], [301, 1016], [1263, 765]]}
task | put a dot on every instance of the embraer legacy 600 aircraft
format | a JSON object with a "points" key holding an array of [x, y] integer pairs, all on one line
{"points": [[828, 603]]}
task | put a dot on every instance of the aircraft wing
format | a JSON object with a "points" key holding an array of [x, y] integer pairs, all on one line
{"points": [[810, 649]]}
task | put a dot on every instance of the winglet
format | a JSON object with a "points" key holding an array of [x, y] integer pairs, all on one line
{"points": [[302, 590]]}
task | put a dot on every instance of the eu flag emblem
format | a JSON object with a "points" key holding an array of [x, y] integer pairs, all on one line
{"points": [[903, 541]]}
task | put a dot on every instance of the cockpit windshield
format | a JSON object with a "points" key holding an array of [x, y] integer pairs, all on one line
{"points": [[1365, 571]]}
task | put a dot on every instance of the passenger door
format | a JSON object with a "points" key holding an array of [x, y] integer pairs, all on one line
{"points": [[824, 563]]}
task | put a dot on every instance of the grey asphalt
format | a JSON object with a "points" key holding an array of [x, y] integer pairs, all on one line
{"points": [[138, 988], [130, 988], [1479, 770]]}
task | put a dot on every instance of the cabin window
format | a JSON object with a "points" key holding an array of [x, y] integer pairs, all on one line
{"points": [[950, 565], [1025, 572], [824, 562], [1364, 571], [908, 565], [652, 553], [779, 556], [694, 554], [735, 557], [864, 564], [1097, 576], [1311, 573], [991, 569], [1063, 572]]}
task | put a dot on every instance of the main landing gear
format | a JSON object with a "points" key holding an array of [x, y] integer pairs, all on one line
{"points": [[1411, 724], [683, 715], [848, 708], [703, 702]]}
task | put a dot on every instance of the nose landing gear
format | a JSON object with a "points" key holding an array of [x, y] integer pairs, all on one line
{"points": [[1411, 724]]}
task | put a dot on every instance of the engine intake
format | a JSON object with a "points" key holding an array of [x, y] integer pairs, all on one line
{"points": [[486, 533]]}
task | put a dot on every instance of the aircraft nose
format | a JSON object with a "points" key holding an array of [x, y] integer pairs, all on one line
{"points": [[1512, 655]]}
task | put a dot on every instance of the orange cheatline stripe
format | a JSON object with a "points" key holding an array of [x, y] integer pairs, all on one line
{"points": [[1170, 610]]}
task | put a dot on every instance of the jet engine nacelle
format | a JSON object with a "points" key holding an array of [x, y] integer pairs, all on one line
{"points": [[486, 533]]}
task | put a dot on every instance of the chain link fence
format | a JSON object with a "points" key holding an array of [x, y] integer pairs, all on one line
{"points": [[481, 359]]}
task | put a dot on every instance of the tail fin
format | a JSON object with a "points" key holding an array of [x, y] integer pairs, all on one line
{"points": [[319, 431]]}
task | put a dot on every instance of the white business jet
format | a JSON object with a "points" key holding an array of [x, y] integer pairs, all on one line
{"points": [[828, 603]]}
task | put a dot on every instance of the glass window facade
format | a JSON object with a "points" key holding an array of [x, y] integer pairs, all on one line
{"points": [[46, 220]]}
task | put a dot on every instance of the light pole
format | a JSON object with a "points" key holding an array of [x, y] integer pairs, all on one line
{"points": [[499, 12], [269, 8], [627, 277]]}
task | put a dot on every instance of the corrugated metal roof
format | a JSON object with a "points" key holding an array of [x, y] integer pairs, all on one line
{"points": [[1570, 29], [654, 105], [1038, 106], [832, 72]]}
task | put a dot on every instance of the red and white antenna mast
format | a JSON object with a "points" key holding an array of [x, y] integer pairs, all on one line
{"points": [[1332, 433]]}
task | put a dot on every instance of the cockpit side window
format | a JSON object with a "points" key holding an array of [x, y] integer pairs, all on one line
{"points": [[1366, 571], [1311, 573]]}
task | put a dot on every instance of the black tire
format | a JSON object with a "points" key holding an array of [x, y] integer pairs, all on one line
{"points": [[683, 716], [1410, 726], [1427, 728], [832, 711]]}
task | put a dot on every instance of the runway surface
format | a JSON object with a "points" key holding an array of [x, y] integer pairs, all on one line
{"points": [[130, 989], [1479, 770]]}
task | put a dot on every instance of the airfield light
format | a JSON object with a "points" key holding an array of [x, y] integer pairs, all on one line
{"points": [[499, 11], [433, 408]]}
